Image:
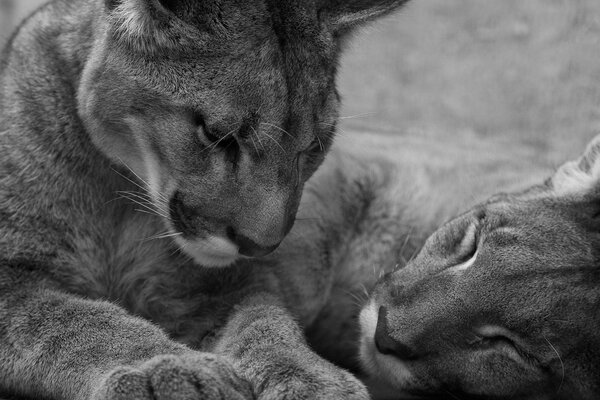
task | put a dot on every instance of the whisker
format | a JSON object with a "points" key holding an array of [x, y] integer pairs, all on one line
{"points": [[134, 173], [405, 243], [129, 180], [452, 394], [414, 254], [147, 206], [164, 235], [145, 202], [278, 128], [358, 299], [254, 143], [136, 195], [368, 114], [258, 138], [158, 194], [214, 145], [320, 143], [364, 288], [276, 142], [148, 212], [178, 250], [562, 364]]}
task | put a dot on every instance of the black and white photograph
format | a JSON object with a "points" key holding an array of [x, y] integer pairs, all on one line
{"points": [[299, 199]]}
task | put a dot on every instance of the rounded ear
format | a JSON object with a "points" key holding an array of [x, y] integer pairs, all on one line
{"points": [[581, 176], [344, 15], [151, 26]]}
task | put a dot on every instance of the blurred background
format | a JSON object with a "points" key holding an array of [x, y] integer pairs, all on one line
{"points": [[524, 71]]}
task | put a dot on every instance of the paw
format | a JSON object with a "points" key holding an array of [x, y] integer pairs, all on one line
{"points": [[192, 376], [313, 379]]}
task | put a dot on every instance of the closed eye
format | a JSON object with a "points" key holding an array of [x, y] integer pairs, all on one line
{"points": [[468, 249], [495, 337]]}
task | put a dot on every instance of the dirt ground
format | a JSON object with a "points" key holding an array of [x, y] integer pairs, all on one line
{"points": [[523, 71]]}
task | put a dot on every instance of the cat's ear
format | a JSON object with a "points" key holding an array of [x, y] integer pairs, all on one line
{"points": [[344, 15], [154, 25], [167, 4], [581, 176]]}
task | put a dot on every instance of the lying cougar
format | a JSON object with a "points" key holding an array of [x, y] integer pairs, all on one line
{"points": [[207, 117], [502, 302]]}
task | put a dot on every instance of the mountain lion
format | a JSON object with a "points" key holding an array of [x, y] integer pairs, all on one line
{"points": [[142, 140], [502, 302]]}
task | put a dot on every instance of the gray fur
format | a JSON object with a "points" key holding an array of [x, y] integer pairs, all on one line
{"points": [[521, 322], [102, 98]]}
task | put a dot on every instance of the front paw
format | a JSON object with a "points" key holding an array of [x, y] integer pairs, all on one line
{"points": [[169, 377], [310, 379]]}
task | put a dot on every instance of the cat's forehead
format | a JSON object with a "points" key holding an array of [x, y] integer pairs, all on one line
{"points": [[296, 25]]}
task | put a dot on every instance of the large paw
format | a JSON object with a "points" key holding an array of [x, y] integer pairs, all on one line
{"points": [[311, 379], [188, 377]]}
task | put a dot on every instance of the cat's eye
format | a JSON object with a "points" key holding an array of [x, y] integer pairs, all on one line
{"points": [[208, 135], [227, 143], [491, 337], [203, 132]]}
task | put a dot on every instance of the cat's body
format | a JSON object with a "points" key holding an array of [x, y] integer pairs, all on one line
{"points": [[142, 141], [502, 301]]}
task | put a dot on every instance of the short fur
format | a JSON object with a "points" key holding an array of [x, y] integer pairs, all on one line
{"points": [[217, 111], [521, 320]]}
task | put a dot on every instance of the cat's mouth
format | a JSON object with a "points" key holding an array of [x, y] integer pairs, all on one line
{"points": [[376, 364], [209, 252]]}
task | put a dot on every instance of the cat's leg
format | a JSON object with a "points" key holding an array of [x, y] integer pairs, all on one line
{"points": [[269, 348], [58, 346]]}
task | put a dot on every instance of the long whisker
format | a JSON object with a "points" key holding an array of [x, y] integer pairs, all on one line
{"points": [[359, 300], [135, 174], [278, 128], [214, 145], [148, 212], [276, 142], [130, 180], [164, 235], [146, 189], [368, 114], [254, 143], [161, 211], [364, 288], [149, 207], [406, 240], [562, 364], [452, 394], [320, 143], [258, 138]]}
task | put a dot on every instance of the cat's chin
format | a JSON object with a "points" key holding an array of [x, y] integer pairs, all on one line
{"points": [[211, 252]]}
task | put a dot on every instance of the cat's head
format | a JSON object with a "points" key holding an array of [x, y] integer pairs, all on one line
{"points": [[503, 302], [223, 108]]}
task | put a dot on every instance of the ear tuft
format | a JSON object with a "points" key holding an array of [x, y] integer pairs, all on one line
{"points": [[347, 14], [581, 176]]}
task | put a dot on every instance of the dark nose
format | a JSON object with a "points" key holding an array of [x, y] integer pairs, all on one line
{"points": [[386, 344], [249, 247]]}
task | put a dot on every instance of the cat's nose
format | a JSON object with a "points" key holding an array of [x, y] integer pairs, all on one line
{"points": [[249, 247], [386, 344]]}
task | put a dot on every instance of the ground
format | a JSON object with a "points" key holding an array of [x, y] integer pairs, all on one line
{"points": [[526, 71]]}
